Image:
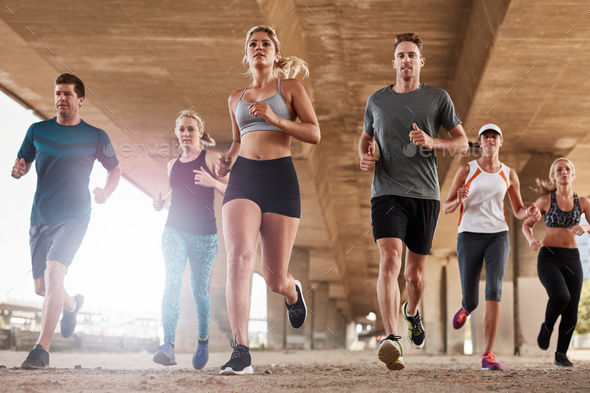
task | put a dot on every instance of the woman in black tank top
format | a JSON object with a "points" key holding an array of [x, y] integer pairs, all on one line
{"points": [[190, 233], [558, 265]]}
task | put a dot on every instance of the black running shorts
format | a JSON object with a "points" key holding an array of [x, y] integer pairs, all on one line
{"points": [[271, 184], [412, 220]]}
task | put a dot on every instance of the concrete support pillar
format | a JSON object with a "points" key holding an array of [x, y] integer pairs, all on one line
{"points": [[299, 267], [432, 307], [282, 334], [532, 298], [504, 343], [277, 320], [335, 326], [187, 329], [351, 337], [319, 316], [455, 338]]}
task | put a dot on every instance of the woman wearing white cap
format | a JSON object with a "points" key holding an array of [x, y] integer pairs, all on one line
{"points": [[479, 188]]}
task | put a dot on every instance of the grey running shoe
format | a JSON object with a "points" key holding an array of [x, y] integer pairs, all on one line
{"points": [[165, 355]]}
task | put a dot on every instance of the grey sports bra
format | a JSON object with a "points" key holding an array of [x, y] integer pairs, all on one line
{"points": [[248, 123]]}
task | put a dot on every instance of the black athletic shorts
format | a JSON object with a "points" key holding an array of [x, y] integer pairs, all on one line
{"points": [[55, 242], [271, 184], [412, 220]]}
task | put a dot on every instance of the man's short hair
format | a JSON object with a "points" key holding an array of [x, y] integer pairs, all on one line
{"points": [[408, 37], [69, 79]]}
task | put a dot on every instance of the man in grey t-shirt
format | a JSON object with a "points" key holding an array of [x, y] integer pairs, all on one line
{"points": [[404, 121]]}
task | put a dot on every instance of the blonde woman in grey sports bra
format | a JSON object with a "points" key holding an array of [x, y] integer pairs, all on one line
{"points": [[262, 196]]}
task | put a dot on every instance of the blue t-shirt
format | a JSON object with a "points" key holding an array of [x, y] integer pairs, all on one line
{"points": [[64, 157]]}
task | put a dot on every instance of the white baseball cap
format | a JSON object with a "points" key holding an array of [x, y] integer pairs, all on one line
{"points": [[489, 127]]}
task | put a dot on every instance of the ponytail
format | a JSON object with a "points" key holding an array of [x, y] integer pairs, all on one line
{"points": [[289, 67]]}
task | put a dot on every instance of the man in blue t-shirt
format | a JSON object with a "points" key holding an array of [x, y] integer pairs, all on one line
{"points": [[404, 121], [64, 150]]}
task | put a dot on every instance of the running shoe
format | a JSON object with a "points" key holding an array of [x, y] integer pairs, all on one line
{"points": [[562, 360], [488, 362], [68, 321], [38, 359], [240, 362], [390, 352], [165, 355], [201, 356], [416, 334], [460, 318], [544, 337], [298, 311]]}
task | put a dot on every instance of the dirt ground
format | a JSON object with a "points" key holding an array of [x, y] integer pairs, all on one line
{"points": [[294, 371]]}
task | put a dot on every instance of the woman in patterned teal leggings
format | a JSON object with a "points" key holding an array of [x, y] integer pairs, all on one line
{"points": [[190, 233]]}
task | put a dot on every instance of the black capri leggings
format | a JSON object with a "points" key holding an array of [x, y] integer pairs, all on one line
{"points": [[472, 249], [560, 272]]}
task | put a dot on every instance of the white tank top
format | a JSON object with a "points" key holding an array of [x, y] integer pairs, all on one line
{"points": [[483, 210]]}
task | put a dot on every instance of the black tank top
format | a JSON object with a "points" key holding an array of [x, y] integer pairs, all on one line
{"points": [[556, 218], [191, 207]]}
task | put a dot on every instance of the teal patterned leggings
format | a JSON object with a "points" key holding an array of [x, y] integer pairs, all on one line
{"points": [[201, 252]]}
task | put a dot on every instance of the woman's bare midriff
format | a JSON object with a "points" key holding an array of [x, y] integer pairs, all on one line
{"points": [[265, 145], [560, 238]]}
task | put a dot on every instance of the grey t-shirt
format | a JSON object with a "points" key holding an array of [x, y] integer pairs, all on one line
{"points": [[404, 169]]}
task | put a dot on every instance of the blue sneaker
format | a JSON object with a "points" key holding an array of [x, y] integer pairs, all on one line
{"points": [[201, 356], [68, 321], [165, 355]]}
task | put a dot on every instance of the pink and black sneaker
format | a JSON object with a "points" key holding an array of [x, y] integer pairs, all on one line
{"points": [[488, 362]]}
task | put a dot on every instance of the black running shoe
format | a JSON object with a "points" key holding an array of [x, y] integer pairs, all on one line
{"points": [[544, 337], [297, 312], [416, 334], [68, 321], [38, 359], [240, 362], [562, 360]]}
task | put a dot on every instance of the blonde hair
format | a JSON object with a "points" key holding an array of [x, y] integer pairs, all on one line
{"points": [[287, 67], [545, 187], [206, 140]]}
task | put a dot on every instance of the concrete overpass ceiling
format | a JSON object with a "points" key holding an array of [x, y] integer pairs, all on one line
{"points": [[520, 63]]}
